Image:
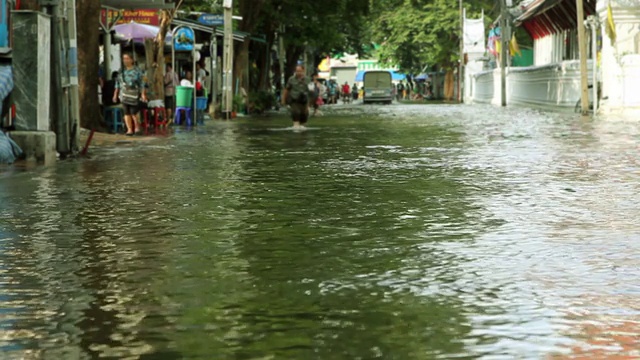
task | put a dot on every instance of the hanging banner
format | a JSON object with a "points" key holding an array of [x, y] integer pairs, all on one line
{"points": [[184, 39], [141, 16], [474, 36]]}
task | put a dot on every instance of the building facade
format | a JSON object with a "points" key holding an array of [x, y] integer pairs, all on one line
{"points": [[620, 59], [553, 81]]}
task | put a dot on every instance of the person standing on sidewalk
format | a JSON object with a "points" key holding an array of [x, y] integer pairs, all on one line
{"points": [[296, 95], [170, 83], [130, 87], [315, 89], [346, 93]]}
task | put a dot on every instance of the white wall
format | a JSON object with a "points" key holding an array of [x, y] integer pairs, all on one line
{"points": [[557, 47], [620, 65], [547, 50], [551, 86], [554, 86], [482, 87], [629, 78], [346, 74]]}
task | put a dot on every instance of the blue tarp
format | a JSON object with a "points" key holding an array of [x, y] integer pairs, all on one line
{"points": [[6, 82], [422, 77], [9, 150], [395, 76]]}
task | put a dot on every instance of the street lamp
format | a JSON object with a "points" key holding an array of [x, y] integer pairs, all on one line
{"points": [[227, 90], [594, 23]]}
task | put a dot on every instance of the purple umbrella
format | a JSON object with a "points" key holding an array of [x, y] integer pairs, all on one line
{"points": [[137, 32]]}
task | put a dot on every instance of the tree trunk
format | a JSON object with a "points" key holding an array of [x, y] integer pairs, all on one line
{"points": [[250, 11], [155, 92], [264, 64], [88, 18], [448, 85], [293, 54], [240, 70], [156, 78]]}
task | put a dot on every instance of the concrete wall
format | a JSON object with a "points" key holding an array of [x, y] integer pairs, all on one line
{"points": [[32, 70], [344, 74], [629, 79], [555, 86]]}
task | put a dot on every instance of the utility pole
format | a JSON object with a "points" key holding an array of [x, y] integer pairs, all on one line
{"points": [[228, 59], [73, 73], [582, 44], [59, 89], [281, 57], [503, 52], [594, 23], [461, 64], [214, 69]]}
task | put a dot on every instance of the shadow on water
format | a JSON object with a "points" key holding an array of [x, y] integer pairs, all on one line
{"points": [[438, 231], [336, 253]]}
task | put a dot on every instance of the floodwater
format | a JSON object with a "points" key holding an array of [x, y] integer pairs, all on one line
{"points": [[391, 232]]}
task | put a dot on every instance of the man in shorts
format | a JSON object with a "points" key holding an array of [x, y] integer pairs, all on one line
{"points": [[296, 95]]}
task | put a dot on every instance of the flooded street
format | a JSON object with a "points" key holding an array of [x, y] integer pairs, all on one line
{"points": [[392, 232]]}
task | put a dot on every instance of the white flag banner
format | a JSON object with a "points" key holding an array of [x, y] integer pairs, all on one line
{"points": [[474, 36]]}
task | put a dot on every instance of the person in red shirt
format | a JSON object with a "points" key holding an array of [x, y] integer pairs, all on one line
{"points": [[346, 92]]}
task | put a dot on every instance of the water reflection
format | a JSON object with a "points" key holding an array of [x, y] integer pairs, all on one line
{"points": [[413, 236]]}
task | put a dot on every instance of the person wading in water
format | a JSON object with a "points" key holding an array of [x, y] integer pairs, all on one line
{"points": [[296, 95]]}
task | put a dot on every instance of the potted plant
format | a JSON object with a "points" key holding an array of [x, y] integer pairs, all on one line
{"points": [[261, 101], [238, 103]]}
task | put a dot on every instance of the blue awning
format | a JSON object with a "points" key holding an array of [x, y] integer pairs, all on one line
{"points": [[396, 76]]}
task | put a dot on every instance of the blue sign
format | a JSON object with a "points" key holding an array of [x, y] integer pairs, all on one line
{"points": [[211, 20], [184, 39]]}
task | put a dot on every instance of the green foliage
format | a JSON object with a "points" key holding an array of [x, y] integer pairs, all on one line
{"points": [[202, 5], [238, 102], [411, 33], [415, 33], [326, 26], [261, 101]]}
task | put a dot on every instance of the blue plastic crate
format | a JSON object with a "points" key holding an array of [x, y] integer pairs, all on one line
{"points": [[201, 103]]}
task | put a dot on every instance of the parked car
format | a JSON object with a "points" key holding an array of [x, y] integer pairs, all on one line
{"points": [[377, 87]]}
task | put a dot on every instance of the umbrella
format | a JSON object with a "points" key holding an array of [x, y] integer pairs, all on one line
{"points": [[137, 32]]}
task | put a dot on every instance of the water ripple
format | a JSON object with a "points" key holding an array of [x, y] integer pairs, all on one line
{"points": [[398, 232]]}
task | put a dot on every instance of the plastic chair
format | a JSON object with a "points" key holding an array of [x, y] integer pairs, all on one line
{"points": [[145, 120], [178, 115], [159, 116], [114, 116]]}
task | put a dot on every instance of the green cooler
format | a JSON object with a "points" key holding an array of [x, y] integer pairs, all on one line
{"points": [[184, 96]]}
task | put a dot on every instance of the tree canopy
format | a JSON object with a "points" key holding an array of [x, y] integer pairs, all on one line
{"points": [[411, 33], [416, 33]]}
